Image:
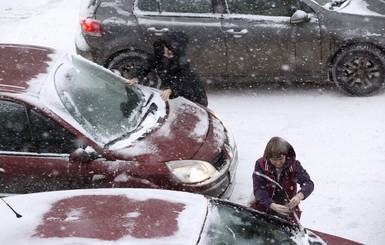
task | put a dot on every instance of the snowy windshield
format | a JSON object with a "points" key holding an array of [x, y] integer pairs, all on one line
{"points": [[229, 224], [98, 100]]}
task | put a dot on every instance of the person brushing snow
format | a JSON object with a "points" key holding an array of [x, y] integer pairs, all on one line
{"points": [[173, 68], [275, 178]]}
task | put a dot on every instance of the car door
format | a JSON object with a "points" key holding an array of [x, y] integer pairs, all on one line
{"points": [[262, 43], [200, 19], [34, 152]]}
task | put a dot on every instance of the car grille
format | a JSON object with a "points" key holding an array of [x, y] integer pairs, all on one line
{"points": [[223, 158]]}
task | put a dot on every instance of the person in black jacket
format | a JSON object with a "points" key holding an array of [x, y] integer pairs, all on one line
{"points": [[173, 68]]}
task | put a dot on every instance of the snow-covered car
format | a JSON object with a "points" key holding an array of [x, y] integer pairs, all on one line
{"points": [[246, 40], [67, 123], [143, 216]]}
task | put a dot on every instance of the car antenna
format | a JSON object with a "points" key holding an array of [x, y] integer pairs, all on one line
{"points": [[17, 214], [287, 196]]}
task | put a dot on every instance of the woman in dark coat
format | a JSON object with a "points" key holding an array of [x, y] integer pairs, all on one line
{"points": [[280, 166], [173, 68]]}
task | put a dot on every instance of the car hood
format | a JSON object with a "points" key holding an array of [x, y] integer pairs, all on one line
{"points": [[334, 240], [103, 216], [179, 135]]}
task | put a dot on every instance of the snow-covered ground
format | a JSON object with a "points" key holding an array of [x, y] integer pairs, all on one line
{"points": [[340, 140]]}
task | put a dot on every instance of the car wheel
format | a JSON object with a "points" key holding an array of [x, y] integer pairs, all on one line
{"points": [[359, 70], [124, 63]]}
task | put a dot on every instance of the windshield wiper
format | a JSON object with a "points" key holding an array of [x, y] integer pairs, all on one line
{"points": [[149, 99], [336, 4], [153, 107]]}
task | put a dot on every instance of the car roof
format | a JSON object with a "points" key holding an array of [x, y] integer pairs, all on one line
{"points": [[23, 67], [103, 216]]}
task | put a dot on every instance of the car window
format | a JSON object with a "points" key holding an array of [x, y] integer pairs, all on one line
{"points": [[49, 137], [262, 7], [25, 130], [148, 5], [178, 6], [230, 224], [15, 134]]}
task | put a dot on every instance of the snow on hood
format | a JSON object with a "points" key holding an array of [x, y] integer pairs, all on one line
{"points": [[181, 134], [61, 218]]}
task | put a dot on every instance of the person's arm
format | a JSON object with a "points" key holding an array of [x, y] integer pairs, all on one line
{"points": [[179, 72], [304, 181], [260, 188], [140, 71], [261, 194], [306, 184]]}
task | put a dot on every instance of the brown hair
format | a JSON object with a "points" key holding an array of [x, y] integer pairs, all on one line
{"points": [[276, 147]]}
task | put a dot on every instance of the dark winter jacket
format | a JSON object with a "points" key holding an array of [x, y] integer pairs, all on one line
{"points": [[267, 192], [175, 72]]}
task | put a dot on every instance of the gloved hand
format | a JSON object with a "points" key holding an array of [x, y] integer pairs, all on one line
{"points": [[133, 81], [281, 209], [166, 94], [295, 200]]}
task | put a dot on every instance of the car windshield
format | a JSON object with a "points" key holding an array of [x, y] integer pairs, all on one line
{"points": [[230, 224], [98, 100]]}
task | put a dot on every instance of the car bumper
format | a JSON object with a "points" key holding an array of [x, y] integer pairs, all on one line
{"points": [[82, 47]]}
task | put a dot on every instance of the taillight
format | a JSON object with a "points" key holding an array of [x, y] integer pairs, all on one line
{"points": [[91, 27]]}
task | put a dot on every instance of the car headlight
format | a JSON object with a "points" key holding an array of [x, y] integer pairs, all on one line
{"points": [[191, 171]]}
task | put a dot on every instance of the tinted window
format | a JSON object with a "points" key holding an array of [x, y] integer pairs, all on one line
{"points": [[262, 7], [49, 137], [24, 130], [148, 5], [230, 224], [15, 134], [179, 6], [186, 6]]}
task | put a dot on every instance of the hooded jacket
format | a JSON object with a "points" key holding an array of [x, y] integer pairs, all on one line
{"points": [[267, 192], [175, 73]]}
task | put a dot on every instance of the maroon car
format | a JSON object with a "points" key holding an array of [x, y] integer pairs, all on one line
{"points": [[144, 216], [66, 123]]}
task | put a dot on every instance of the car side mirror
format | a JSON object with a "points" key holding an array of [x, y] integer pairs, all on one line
{"points": [[299, 16], [80, 156]]}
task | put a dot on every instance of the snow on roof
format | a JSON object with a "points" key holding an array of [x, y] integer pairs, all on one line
{"points": [[103, 216]]}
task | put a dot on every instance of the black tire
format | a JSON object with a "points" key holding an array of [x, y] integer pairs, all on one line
{"points": [[359, 70], [125, 62]]}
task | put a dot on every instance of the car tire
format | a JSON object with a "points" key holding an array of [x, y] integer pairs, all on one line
{"points": [[125, 62], [359, 70]]}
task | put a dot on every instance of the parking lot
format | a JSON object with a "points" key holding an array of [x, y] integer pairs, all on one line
{"points": [[338, 139]]}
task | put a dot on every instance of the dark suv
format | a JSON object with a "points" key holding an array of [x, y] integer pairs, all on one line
{"points": [[278, 40]]}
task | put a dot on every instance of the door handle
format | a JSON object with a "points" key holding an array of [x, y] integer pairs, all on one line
{"points": [[237, 34], [157, 32]]}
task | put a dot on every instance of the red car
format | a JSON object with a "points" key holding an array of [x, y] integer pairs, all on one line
{"points": [[66, 123], [144, 216]]}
